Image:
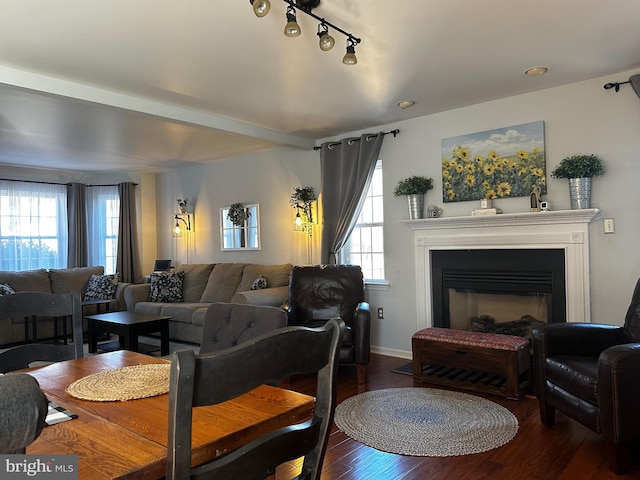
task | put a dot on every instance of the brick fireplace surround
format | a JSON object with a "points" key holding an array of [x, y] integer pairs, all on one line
{"points": [[564, 229]]}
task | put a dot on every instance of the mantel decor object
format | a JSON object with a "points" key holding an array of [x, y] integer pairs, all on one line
{"points": [[414, 188], [579, 170]]}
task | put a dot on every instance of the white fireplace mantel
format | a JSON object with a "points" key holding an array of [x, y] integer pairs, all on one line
{"points": [[565, 229]]}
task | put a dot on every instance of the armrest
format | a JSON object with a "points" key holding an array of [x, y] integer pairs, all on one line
{"points": [[362, 333], [619, 392], [122, 286], [271, 297], [585, 339], [136, 293]]}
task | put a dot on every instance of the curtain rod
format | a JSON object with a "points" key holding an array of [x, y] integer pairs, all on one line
{"points": [[57, 183], [393, 132]]}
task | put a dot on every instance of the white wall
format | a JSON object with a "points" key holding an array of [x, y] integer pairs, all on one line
{"points": [[267, 178]]}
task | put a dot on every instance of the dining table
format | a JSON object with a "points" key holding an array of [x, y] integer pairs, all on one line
{"points": [[128, 439]]}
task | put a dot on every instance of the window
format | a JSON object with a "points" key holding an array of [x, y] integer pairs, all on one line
{"points": [[33, 226], [103, 215], [365, 246]]}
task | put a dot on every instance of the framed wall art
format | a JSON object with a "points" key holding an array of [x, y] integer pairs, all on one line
{"points": [[504, 162]]}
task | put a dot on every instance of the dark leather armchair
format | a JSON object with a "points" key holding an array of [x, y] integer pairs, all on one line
{"points": [[318, 293], [590, 373]]}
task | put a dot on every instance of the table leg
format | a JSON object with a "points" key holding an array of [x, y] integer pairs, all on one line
{"points": [[164, 339], [93, 340], [35, 328], [130, 341]]}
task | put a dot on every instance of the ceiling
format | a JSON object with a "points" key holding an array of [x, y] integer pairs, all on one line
{"points": [[150, 85]]}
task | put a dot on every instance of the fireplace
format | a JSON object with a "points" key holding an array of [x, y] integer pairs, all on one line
{"points": [[499, 290], [561, 236]]}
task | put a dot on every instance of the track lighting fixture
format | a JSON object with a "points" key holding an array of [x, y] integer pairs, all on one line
{"points": [[292, 28], [350, 57], [261, 7], [326, 41]]}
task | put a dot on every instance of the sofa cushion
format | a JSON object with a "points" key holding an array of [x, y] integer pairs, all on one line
{"points": [[27, 280], [166, 287], [149, 308], [5, 289], [223, 282], [65, 280], [181, 312], [195, 280], [102, 287], [198, 315], [276, 275]]}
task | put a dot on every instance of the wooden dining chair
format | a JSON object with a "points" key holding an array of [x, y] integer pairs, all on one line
{"points": [[198, 380], [26, 304]]}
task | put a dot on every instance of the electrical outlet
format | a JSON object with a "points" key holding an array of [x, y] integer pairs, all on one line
{"points": [[609, 225], [380, 313]]}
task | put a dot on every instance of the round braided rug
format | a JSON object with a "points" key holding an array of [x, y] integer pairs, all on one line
{"points": [[425, 422], [126, 383]]}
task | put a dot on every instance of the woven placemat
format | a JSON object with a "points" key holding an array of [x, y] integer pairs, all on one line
{"points": [[126, 383]]}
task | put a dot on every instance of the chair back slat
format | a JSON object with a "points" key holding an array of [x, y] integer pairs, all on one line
{"points": [[27, 304], [198, 380]]}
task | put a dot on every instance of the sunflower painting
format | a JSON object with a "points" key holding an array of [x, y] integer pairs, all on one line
{"points": [[505, 162]]}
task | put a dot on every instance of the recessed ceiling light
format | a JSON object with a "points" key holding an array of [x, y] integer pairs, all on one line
{"points": [[406, 104], [536, 70]]}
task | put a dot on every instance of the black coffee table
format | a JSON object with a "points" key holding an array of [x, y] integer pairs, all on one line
{"points": [[128, 326]]}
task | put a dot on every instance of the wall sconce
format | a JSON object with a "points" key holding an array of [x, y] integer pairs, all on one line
{"points": [[303, 200], [179, 218]]}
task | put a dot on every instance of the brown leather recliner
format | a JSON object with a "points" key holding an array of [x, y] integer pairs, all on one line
{"points": [[590, 373], [321, 292]]}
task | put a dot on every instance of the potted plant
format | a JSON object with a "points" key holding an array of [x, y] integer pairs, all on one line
{"points": [[414, 188], [238, 214], [579, 169]]}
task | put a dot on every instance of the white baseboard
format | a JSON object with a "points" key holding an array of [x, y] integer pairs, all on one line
{"points": [[389, 352]]}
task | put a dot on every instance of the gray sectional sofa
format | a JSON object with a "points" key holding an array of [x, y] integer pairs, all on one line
{"points": [[207, 283], [63, 280]]}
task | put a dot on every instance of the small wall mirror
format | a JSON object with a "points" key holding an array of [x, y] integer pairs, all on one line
{"points": [[244, 234]]}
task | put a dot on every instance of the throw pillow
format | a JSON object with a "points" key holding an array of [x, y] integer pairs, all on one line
{"points": [[259, 283], [102, 287], [166, 287], [5, 289]]}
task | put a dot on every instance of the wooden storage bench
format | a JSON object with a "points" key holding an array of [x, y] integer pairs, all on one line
{"points": [[480, 362]]}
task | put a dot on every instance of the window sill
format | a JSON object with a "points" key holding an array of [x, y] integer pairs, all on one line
{"points": [[381, 285]]}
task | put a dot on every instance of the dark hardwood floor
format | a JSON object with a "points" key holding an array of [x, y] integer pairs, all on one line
{"points": [[567, 451]]}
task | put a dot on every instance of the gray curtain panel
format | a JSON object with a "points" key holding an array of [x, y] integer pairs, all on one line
{"points": [[128, 258], [77, 255], [346, 169]]}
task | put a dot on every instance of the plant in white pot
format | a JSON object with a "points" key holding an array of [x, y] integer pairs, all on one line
{"points": [[414, 189], [579, 169]]}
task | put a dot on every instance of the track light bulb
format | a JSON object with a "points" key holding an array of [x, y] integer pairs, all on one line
{"points": [[261, 7], [350, 57], [326, 41], [292, 29]]}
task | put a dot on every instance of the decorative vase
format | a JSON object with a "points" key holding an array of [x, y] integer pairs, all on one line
{"points": [[416, 206], [580, 192]]}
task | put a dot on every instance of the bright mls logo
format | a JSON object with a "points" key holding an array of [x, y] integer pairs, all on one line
{"points": [[50, 467]]}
